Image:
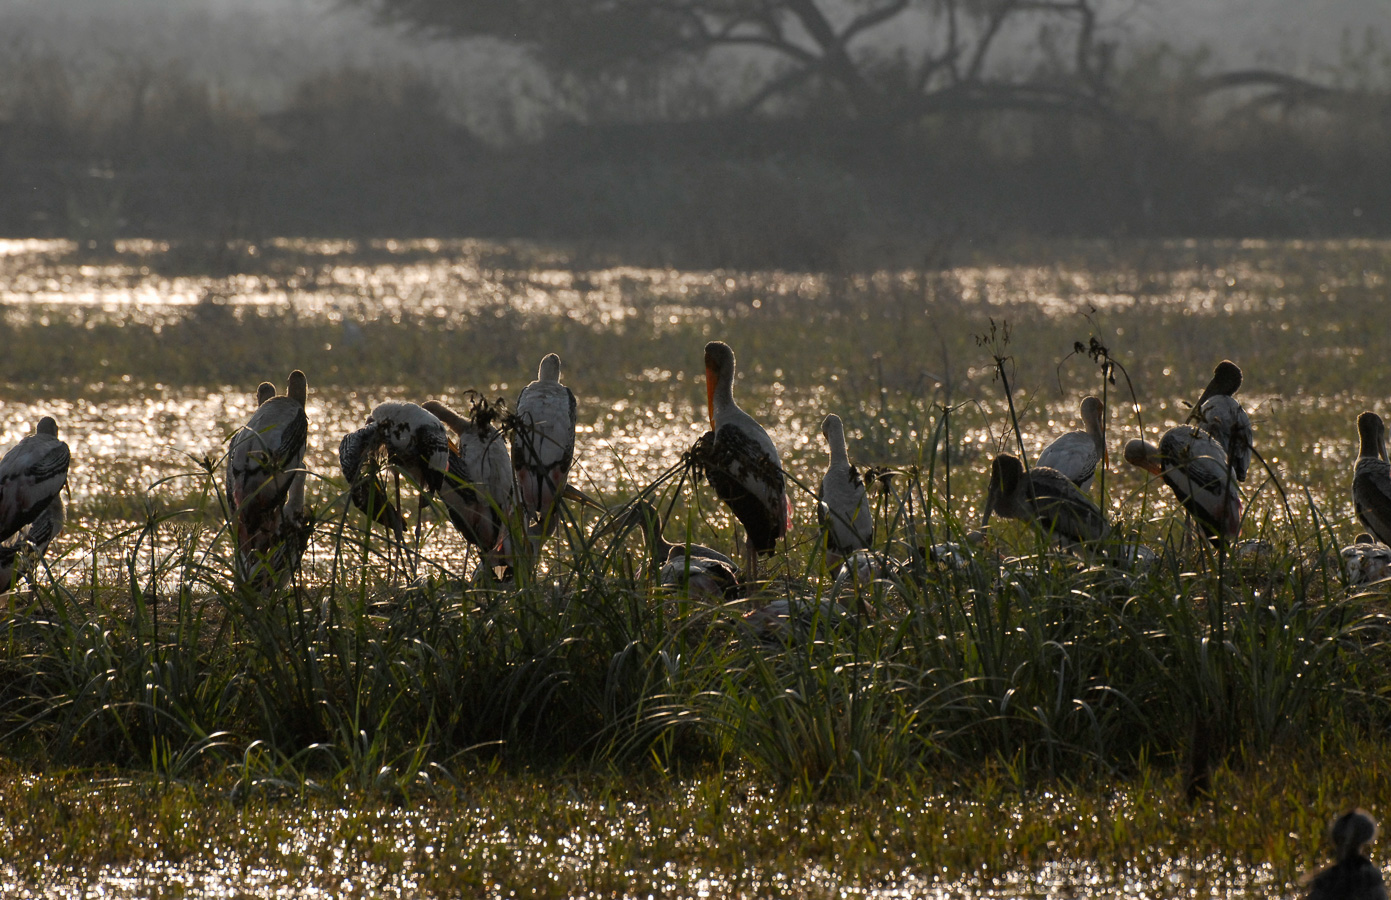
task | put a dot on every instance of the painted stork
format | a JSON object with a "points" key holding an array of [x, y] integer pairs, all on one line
{"points": [[702, 577], [1220, 414], [1194, 467], [1371, 478], [1077, 453], [1352, 876], [543, 447], [842, 507], [642, 513], [744, 469], [1045, 497], [409, 438], [1366, 561], [32, 477], [265, 471], [480, 490]]}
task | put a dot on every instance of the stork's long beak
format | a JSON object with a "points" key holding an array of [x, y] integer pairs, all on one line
{"points": [[710, 378], [992, 497]]}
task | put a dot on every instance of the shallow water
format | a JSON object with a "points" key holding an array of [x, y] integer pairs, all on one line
{"points": [[130, 438]]}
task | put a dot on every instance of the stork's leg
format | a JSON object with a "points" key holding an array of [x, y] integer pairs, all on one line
{"points": [[750, 560], [419, 524]]}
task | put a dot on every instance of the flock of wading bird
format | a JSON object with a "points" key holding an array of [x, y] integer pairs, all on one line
{"points": [[505, 500]]}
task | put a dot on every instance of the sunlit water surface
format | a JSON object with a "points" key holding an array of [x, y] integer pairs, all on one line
{"points": [[131, 440]]}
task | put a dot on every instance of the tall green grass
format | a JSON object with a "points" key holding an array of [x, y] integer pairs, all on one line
{"points": [[1049, 664]]}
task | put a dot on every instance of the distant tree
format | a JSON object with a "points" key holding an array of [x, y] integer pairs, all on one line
{"points": [[893, 60]]}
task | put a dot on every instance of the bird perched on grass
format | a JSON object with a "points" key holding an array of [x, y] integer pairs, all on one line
{"points": [[32, 476], [842, 507], [1371, 477], [1044, 497], [543, 447], [1078, 453], [1352, 876], [1195, 468], [265, 474], [1219, 414], [742, 462]]}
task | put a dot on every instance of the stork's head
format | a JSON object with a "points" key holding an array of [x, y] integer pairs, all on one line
{"points": [[1005, 474], [1372, 432], [549, 370], [47, 425], [1145, 455], [264, 391], [719, 369], [298, 389]]}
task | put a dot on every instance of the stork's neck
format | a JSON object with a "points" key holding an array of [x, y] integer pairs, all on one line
{"points": [[1369, 446], [835, 439], [723, 397]]}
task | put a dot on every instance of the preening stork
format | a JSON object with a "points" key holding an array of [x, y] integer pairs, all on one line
{"points": [[32, 477], [1220, 414], [1077, 453], [744, 467], [265, 474], [402, 435], [1352, 876], [842, 507], [1194, 467], [543, 447], [642, 513], [1371, 477], [1045, 497], [479, 492]]}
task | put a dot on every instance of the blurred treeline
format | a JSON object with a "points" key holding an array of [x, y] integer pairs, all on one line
{"points": [[154, 151]]}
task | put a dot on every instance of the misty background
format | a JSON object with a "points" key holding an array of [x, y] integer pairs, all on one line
{"points": [[243, 119]]}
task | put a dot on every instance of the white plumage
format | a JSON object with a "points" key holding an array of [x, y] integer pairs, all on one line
{"points": [[1077, 453], [543, 446], [842, 505], [403, 435], [32, 477], [479, 492], [1194, 467], [265, 471], [1220, 414]]}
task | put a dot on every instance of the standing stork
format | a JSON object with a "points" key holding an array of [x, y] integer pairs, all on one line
{"points": [[1220, 414], [1045, 497], [32, 476], [1353, 876], [265, 473], [1195, 468], [1371, 477], [1077, 453], [842, 507], [543, 447], [479, 490], [744, 467], [408, 438]]}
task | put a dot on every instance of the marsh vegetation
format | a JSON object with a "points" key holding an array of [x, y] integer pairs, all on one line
{"points": [[1033, 718]]}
